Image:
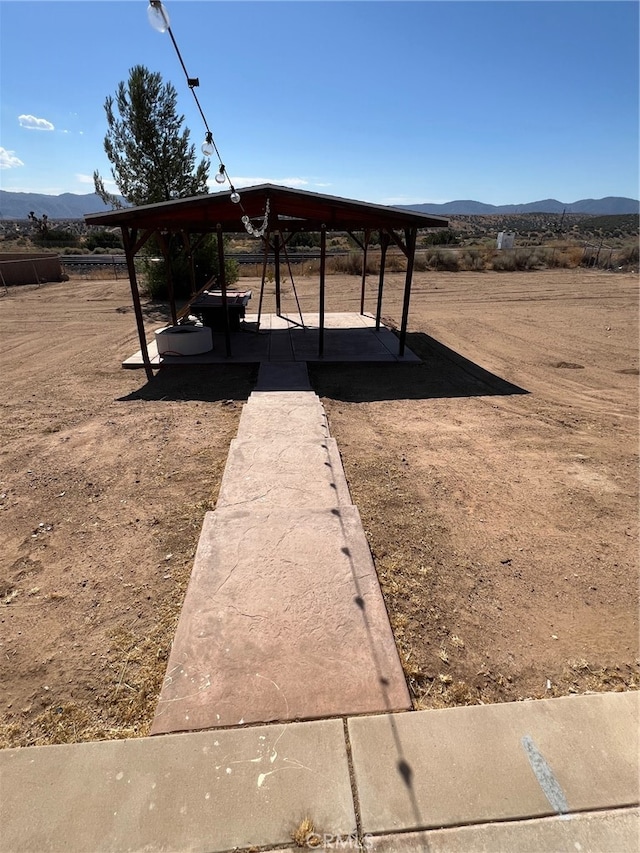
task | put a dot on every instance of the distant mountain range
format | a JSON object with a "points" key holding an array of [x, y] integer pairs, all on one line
{"points": [[608, 206], [65, 206], [73, 206]]}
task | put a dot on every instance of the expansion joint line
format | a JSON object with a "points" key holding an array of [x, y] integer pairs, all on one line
{"points": [[352, 782]]}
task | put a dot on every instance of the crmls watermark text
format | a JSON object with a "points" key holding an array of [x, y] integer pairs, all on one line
{"points": [[325, 841]]}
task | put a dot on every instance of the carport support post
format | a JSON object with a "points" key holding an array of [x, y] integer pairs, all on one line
{"points": [[323, 261], [276, 272], [384, 245], [223, 287], [410, 240], [367, 234], [128, 240]]}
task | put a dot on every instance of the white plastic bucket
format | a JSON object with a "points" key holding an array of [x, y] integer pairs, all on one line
{"points": [[184, 340]]}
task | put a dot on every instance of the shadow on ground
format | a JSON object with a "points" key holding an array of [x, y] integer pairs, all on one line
{"points": [[209, 383], [442, 373]]}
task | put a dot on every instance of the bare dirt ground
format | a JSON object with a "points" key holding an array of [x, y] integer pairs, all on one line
{"points": [[497, 482]]}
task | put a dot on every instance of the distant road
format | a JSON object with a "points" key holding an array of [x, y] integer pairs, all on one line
{"points": [[240, 257], [92, 260]]}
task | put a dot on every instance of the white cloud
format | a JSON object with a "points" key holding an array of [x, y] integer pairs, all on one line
{"points": [[85, 179], [33, 123], [8, 159]]}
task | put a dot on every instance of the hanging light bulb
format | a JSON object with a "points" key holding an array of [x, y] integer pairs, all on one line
{"points": [[158, 17], [207, 145], [220, 177], [235, 197]]}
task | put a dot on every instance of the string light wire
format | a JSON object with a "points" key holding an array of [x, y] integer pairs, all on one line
{"points": [[159, 20]]}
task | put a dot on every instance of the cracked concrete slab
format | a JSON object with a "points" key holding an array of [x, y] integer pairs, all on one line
{"points": [[283, 619]]}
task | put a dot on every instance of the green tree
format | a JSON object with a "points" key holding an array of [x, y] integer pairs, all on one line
{"points": [[152, 161], [150, 154]]}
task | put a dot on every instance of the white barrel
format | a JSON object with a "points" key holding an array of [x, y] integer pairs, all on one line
{"points": [[184, 340]]}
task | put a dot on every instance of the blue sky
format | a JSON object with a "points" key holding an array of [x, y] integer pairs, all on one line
{"points": [[389, 102]]}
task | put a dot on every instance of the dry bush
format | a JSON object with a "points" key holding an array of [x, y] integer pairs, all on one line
{"points": [[443, 259], [473, 260], [628, 256], [351, 264], [395, 262]]}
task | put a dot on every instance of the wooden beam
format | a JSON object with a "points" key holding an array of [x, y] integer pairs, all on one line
{"points": [[359, 243], [365, 247], [398, 241], [411, 235], [323, 261], [384, 245], [143, 239], [129, 242]]}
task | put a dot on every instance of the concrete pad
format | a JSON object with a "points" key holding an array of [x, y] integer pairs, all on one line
{"points": [[286, 339], [283, 619], [496, 762], [593, 832], [288, 376], [339, 320], [280, 473], [280, 348], [354, 344], [206, 791]]}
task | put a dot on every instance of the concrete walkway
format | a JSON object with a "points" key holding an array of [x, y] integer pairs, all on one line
{"points": [[283, 618], [284, 659]]}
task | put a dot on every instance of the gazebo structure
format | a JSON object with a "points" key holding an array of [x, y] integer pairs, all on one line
{"points": [[275, 213]]}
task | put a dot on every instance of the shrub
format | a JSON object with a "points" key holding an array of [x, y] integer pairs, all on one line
{"points": [[504, 261], [395, 262], [205, 263], [441, 259], [102, 237], [472, 260], [440, 237], [304, 239], [628, 256], [350, 264], [56, 238]]}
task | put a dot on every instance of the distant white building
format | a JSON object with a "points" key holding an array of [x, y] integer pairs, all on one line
{"points": [[506, 239]]}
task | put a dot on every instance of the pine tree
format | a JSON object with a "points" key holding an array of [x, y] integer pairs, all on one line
{"points": [[152, 159]]}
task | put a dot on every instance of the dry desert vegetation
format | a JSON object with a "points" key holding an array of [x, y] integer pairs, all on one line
{"points": [[497, 482]]}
